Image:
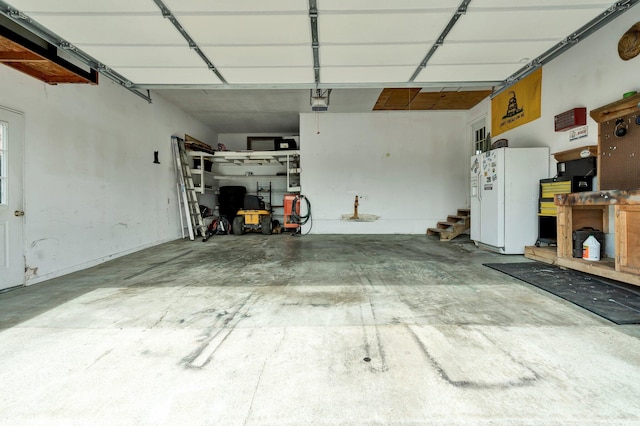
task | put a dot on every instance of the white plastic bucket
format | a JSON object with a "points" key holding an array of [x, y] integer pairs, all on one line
{"points": [[591, 249]]}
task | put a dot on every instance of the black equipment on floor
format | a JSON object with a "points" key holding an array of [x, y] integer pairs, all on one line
{"points": [[230, 200], [580, 235], [253, 202]]}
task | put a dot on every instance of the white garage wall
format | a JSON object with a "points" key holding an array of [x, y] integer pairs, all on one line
{"points": [[590, 74], [410, 168], [92, 191]]}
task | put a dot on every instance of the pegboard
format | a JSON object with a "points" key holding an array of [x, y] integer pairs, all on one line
{"points": [[620, 155]]}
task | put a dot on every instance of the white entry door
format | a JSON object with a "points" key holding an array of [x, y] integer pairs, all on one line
{"points": [[11, 199]]}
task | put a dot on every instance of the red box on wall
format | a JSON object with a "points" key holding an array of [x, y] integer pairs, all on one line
{"points": [[570, 119]]}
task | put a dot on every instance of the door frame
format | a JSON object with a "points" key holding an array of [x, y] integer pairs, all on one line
{"points": [[475, 125], [23, 206], [472, 127]]}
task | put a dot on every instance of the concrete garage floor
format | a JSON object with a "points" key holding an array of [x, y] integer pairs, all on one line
{"points": [[360, 330]]}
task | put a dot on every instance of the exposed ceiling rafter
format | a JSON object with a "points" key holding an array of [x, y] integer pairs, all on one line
{"points": [[38, 59], [166, 13], [583, 32], [50, 37], [462, 9]]}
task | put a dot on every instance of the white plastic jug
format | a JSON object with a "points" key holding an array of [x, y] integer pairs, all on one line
{"points": [[591, 249]]}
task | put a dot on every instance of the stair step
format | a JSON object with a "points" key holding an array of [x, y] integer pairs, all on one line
{"points": [[458, 219], [444, 234], [445, 225], [452, 225], [434, 231], [448, 236], [455, 225]]}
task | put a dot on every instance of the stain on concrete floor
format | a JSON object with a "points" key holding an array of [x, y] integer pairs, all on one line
{"points": [[332, 329]]}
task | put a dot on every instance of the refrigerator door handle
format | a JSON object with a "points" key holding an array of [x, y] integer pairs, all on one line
{"points": [[479, 188]]}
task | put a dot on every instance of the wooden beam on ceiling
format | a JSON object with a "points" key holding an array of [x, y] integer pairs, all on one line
{"points": [[414, 100], [11, 56], [39, 62]]}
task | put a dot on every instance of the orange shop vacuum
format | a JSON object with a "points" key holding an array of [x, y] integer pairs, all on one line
{"points": [[293, 219]]}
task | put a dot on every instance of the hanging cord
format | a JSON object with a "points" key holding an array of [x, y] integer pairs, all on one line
{"points": [[299, 219]]}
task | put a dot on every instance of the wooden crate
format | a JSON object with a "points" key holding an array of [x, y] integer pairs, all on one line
{"points": [[628, 238]]}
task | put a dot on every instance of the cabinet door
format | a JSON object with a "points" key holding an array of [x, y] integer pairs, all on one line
{"points": [[628, 239]]}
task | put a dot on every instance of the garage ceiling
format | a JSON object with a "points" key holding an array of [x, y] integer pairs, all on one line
{"points": [[360, 46]]}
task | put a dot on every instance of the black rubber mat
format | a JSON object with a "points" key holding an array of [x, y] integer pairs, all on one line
{"points": [[618, 302]]}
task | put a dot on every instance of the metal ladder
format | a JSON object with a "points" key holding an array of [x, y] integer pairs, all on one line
{"points": [[187, 199]]}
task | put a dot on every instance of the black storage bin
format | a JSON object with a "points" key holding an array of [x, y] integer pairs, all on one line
{"points": [[284, 144], [582, 234], [547, 229], [230, 200]]}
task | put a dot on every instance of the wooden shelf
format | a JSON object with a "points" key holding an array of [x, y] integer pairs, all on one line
{"points": [[604, 268], [616, 109], [575, 153], [599, 198]]}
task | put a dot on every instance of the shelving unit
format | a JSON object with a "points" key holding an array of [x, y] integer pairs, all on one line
{"points": [[289, 159], [265, 173], [202, 176], [243, 158], [293, 173]]}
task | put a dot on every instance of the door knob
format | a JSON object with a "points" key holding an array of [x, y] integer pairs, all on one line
{"points": [[18, 213]]}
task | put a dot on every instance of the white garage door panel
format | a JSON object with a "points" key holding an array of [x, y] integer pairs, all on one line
{"points": [[376, 55], [229, 6], [113, 29], [519, 25], [85, 6], [145, 56], [248, 29], [383, 5]]}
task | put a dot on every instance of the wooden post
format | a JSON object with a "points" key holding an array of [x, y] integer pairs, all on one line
{"points": [[355, 209]]}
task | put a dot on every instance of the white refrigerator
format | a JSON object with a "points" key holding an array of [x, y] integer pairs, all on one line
{"points": [[504, 197]]}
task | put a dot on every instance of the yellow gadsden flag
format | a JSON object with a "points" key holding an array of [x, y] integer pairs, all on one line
{"points": [[518, 104]]}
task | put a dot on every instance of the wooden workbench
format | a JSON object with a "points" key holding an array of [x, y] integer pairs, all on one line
{"points": [[583, 209]]}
